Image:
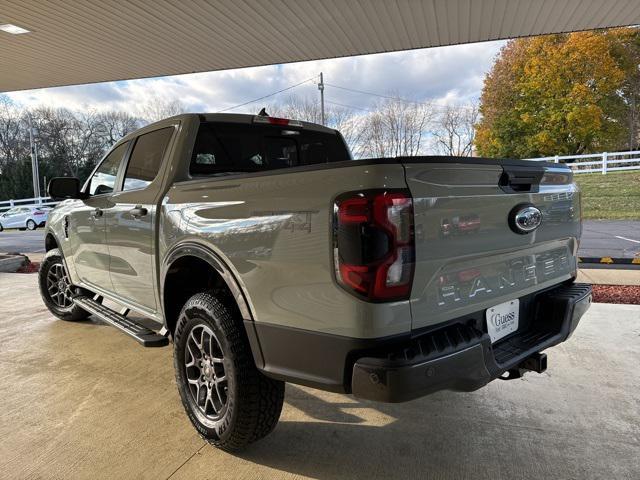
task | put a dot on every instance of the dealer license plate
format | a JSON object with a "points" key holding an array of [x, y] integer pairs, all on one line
{"points": [[503, 319]]}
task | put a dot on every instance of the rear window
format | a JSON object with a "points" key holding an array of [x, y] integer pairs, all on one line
{"points": [[226, 148]]}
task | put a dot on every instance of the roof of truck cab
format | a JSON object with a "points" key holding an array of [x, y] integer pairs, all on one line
{"points": [[241, 118], [247, 118]]}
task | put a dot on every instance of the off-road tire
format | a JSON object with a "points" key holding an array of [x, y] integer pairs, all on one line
{"points": [[70, 313], [253, 401]]}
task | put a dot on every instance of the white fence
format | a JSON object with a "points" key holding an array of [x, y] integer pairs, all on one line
{"points": [[27, 202], [597, 162]]}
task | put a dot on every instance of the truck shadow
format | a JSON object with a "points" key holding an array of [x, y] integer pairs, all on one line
{"points": [[346, 438]]}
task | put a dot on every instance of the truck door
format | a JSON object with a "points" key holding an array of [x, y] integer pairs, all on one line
{"points": [[87, 227], [131, 221]]}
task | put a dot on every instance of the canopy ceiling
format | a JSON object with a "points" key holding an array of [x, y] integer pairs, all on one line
{"points": [[76, 42]]}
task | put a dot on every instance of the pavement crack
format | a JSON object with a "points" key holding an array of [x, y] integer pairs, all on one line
{"points": [[185, 462]]}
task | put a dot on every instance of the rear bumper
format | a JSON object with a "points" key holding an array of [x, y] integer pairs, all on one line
{"points": [[460, 356]]}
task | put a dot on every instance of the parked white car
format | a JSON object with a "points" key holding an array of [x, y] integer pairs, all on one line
{"points": [[24, 217]]}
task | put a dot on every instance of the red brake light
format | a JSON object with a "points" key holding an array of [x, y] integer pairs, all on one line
{"points": [[373, 244], [283, 122], [39, 212], [278, 121]]}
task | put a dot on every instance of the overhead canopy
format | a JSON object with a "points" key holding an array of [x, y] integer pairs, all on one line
{"points": [[76, 42]]}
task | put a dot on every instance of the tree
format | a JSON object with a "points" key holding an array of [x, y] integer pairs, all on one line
{"points": [[626, 50], [113, 125], [15, 164], [556, 94], [395, 128], [454, 132], [157, 108]]}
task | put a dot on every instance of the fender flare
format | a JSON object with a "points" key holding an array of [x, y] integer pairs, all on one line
{"points": [[194, 249], [49, 231]]}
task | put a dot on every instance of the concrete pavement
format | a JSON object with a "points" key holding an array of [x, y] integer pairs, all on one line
{"points": [[82, 400]]}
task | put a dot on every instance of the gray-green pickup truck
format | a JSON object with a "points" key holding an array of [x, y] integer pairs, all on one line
{"points": [[268, 255]]}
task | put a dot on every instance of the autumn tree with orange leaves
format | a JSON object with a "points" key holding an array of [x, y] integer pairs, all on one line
{"points": [[561, 95]]}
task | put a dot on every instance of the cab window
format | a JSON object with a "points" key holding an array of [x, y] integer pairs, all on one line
{"points": [[146, 158], [226, 148], [104, 178]]}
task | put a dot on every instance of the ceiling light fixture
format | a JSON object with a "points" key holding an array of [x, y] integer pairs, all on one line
{"points": [[13, 29]]}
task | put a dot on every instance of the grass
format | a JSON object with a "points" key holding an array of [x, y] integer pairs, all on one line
{"points": [[614, 196]]}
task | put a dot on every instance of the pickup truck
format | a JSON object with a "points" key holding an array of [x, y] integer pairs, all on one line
{"points": [[267, 254]]}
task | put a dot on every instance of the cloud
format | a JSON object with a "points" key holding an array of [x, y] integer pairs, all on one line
{"points": [[443, 74]]}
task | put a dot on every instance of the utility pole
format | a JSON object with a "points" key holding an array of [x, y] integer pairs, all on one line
{"points": [[321, 88], [34, 161]]}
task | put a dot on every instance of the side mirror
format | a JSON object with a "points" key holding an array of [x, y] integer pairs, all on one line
{"points": [[61, 188]]}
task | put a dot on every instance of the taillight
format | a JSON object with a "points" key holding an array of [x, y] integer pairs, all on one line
{"points": [[374, 250], [39, 212]]}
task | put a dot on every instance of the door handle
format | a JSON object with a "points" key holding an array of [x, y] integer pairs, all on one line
{"points": [[138, 211], [97, 213]]}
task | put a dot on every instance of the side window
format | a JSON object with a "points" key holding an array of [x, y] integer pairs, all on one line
{"points": [[104, 179], [146, 158]]}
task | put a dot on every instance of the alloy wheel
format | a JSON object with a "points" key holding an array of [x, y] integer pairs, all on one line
{"points": [[205, 372], [59, 286]]}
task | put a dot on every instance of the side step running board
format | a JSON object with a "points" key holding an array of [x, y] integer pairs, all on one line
{"points": [[144, 335]]}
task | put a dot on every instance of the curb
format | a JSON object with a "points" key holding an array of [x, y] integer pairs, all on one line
{"points": [[11, 263], [610, 260]]}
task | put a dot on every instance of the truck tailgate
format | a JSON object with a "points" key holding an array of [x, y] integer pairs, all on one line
{"points": [[468, 256]]}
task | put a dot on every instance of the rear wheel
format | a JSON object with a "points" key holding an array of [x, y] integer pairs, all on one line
{"points": [[56, 289], [1, 227], [31, 225], [227, 399]]}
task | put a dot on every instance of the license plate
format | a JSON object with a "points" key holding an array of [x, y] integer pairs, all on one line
{"points": [[503, 319]]}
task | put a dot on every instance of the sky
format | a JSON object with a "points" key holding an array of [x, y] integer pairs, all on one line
{"points": [[445, 75]]}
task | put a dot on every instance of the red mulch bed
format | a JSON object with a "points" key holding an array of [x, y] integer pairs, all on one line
{"points": [[31, 267], [629, 294]]}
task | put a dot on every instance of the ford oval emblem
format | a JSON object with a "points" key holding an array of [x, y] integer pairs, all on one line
{"points": [[525, 218]]}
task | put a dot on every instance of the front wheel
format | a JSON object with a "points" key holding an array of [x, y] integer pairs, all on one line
{"points": [[56, 289], [227, 399], [31, 225]]}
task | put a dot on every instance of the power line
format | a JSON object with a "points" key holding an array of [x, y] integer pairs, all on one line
{"points": [[266, 96], [347, 106], [390, 97]]}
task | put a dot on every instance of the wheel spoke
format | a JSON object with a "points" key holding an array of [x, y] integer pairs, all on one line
{"points": [[216, 408], [218, 393], [192, 362], [202, 340], [195, 341]]}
